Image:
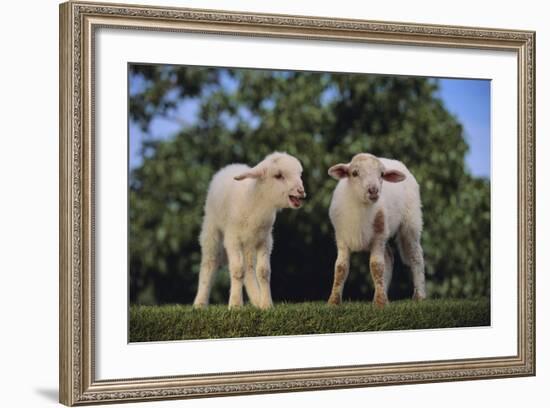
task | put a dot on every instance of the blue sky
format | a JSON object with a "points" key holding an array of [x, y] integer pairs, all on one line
{"points": [[467, 99], [470, 101]]}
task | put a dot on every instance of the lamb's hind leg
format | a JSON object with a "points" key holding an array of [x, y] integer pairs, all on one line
{"points": [[210, 241], [413, 256], [388, 268]]}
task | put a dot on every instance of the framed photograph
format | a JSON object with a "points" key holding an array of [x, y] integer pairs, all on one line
{"points": [[255, 203]]}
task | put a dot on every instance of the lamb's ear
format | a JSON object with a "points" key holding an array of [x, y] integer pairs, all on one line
{"points": [[253, 173], [339, 171], [393, 176]]}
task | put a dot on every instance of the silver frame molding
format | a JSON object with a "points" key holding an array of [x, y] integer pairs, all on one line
{"points": [[78, 22]]}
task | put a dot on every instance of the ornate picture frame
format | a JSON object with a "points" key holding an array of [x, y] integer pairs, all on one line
{"points": [[79, 22]]}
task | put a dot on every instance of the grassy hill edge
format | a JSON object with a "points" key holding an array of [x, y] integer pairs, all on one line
{"points": [[182, 322]]}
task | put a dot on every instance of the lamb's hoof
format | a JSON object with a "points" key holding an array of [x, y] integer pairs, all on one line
{"points": [[335, 300], [266, 306], [200, 305], [380, 300], [418, 296], [235, 307]]}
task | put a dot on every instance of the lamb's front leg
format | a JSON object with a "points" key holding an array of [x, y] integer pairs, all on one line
{"points": [[341, 271], [250, 281], [263, 273], [377, 270], [236, 270]]}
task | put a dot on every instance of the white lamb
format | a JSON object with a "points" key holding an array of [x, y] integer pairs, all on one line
{"points": [[366, 212], [239, 215]]}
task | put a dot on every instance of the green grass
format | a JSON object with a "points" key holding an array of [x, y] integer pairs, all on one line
{"points": [[182, 322]]}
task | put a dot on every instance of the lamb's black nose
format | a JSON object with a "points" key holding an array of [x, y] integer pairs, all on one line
{"points": [[373, 190]]}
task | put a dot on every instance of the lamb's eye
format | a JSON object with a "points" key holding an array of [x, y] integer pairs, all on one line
{"points": [[354, 173], [279, 176]]}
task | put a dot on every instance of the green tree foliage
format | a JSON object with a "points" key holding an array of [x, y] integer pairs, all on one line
{"points": [[322, 119]]}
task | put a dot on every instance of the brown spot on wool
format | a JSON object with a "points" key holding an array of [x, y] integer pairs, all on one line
{"points": [[340, 275], [334, 299], [380, 299], [379, 222], [377, 272]]}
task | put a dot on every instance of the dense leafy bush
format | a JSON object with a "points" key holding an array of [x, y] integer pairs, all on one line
{"points": [[323, 119]]}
